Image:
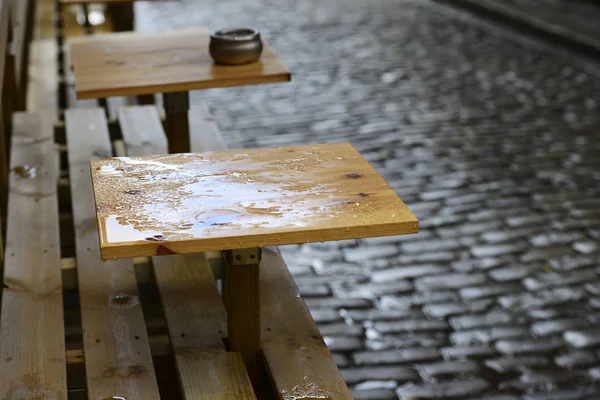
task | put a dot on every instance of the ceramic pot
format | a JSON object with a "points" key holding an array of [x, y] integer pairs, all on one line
{"points": [[235, 46]]}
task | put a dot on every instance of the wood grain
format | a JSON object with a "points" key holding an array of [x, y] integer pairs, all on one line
{"points": [[118, 360], [195, 315], [297, 359], [142, 131], [175, 204], [32, 341], [242, 297], [132, 64], [42, 89]]}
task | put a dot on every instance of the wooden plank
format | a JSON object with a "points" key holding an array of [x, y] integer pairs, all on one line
{"points": [[118, 360], [142, 131], [242, 297], [212, 376], [177, 61], [204, 132], [42, 90], [32, 341], [296, 357], [22, 11], [243, 199], [193, 309]]}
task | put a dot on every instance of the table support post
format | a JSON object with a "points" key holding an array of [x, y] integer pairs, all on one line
{"points": [[177, 125], [87, 24], [122, 16], [241, 293]]}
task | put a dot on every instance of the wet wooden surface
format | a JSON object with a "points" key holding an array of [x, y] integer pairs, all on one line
{"points": [[187, 203], [131, 64]]}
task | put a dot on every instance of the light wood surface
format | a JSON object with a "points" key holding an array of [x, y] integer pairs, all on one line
{"points": [[32, 344], [242, 297], [214, 376], [188, 203], [297, 359], [193, 308], [131, 64], [42, 90], [117, 354]]}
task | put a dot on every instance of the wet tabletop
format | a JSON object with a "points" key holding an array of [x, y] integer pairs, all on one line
{"points": [[186, 203], [133, 63]]}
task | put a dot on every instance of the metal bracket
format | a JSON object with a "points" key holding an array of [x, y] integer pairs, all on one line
{"points": [[176, 101], [242, 256]]}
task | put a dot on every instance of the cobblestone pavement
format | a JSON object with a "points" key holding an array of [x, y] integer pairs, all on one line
{"points": [[492, 141]]}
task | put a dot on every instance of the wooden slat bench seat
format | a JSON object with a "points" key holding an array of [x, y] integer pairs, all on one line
{"points": [[32, 341]]}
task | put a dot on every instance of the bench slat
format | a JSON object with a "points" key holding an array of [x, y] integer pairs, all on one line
{"points": [[42, 89], [117, 354], [297, 359], [194, 311], [204, 133], [32, 344]]}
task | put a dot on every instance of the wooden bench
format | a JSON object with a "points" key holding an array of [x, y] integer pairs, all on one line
{"points": [[148, 328]]}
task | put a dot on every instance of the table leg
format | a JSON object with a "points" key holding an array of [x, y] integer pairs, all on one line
{"points": [[177, 125], [86, 22], [145, 99], [241, 293], [122, 16]]}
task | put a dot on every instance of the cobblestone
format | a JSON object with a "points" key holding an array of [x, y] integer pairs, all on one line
{"points": [[414, 325], [494, 250], [396, 356], [507, 364], [545, 280], [548, 328], [522, 346], [512, 273], [407, 272], [577, 359], [486, 336], [374, 394], [460, 388], [471, 321], [490, 290], [462, 352], [497, 132], [447, 369], [580, 339], [395, 373], [449, 281]]}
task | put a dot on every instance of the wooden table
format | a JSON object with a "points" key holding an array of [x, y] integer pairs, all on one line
{"points": [[239, 202], [172, 63]]}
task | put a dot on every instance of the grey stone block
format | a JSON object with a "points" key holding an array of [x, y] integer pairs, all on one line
{"points": [[509, 364], [441, 390], [396, 356], [395, 373]]}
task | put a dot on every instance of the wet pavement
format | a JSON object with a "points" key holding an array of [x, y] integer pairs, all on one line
{"points": [[491, 139]]}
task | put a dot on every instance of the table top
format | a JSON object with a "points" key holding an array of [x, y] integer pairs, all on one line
{"points": [[187, 203], [133, 63]]}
